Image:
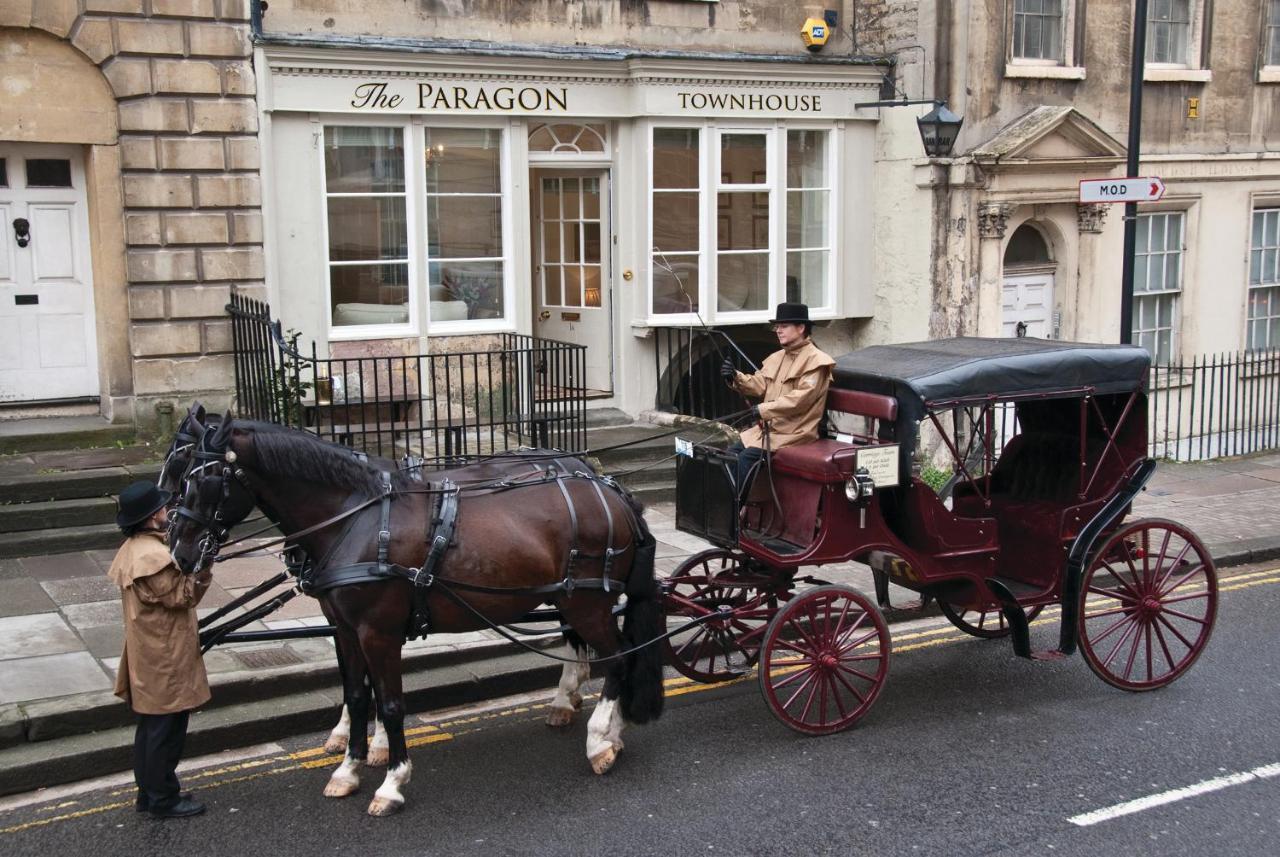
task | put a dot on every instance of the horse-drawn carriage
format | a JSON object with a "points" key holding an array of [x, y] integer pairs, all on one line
{"points": [[1048, 445], [1048, 442]]}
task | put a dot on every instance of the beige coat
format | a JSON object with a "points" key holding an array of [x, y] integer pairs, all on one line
{"points": [[793, 384], [161, 671]]}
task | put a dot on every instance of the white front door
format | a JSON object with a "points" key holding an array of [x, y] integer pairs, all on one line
{"points": [[1028, 299], [572, 288], [48, 347]]}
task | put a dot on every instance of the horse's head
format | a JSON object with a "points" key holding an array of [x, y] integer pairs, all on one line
{"points": [[179, 457], [213, 500]]}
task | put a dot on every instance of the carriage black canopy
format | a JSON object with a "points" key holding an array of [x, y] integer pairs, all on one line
{"points": [[918, 373]]}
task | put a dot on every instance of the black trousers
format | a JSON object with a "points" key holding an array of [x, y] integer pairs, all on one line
{"points": [[157, 747], [748, 458]]}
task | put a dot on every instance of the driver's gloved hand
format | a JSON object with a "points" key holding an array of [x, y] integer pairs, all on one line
{"points": [[727, 371]]}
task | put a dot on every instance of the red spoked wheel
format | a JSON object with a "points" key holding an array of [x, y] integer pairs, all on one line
{"points": [[1147, 605], [825, 659], [988, 624], [739, 599]]}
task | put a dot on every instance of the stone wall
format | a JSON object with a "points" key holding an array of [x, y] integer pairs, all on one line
{"points": [[182, 77]]}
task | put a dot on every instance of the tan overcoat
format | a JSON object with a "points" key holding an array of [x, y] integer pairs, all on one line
{"points": [[793, 384], [161, 671]]}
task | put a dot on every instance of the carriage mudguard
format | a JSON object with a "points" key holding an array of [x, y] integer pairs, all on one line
{"points": [[1082, 550]]}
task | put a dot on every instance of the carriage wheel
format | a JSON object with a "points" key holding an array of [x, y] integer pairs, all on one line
{"points": [[1147, 605], [826, 656], [988, 624], [718, 583]]}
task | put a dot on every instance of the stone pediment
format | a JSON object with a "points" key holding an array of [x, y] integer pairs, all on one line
{"points": [[1050, 137]]}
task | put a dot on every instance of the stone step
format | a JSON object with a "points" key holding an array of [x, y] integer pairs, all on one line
{"points": [[60, 540], [80, 512], [81, 432], [605, 417], [71, 485]]}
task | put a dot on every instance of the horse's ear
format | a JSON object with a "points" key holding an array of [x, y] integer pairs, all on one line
{"points": [[222, 435], [196, 412]]}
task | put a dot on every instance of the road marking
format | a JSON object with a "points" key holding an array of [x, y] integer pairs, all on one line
{"points": [[434, 732], [1175, 795]]}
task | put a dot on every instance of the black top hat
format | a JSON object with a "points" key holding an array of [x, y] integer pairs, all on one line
{"points": [[138, 502], [789, 313]]}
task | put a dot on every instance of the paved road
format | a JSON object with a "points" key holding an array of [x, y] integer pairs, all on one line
{"points": [[968, 751]]}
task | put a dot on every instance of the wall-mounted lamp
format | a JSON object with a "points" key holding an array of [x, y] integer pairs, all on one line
{"points": [[939, 128]]}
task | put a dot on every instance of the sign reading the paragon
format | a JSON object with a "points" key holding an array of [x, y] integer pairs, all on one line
{"points": [[429, 96]]}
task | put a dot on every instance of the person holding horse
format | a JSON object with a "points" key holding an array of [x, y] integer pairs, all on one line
{"points": [[792, 385], [161, 675]]}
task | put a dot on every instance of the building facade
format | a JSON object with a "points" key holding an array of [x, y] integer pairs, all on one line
{"points": [[1044, 89], [130, 200], [415, 178]]}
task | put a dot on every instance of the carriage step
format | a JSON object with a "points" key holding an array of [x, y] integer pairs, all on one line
{"points": [[1021, 589], [781, 547], [1019, 627]]}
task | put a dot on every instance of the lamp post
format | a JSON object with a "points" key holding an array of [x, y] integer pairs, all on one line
{"points": [[1137, 69]]}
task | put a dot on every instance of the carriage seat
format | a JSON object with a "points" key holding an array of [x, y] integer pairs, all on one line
{"points": [[819, 461]]}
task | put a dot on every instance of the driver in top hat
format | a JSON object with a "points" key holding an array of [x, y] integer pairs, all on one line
{"points": [[792, 385]]}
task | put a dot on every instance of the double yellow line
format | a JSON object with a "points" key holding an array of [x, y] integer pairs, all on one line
{"points": [[448, 730]]}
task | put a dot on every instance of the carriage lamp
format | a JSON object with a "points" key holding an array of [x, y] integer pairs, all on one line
{"points": [[860, 486], [938, 130]]}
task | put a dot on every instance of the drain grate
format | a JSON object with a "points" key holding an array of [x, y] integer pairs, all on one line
{"points": [[267, 658]]}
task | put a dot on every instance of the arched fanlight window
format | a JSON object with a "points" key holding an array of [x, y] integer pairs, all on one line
{"points": [[568, 139], [1027, 247]]}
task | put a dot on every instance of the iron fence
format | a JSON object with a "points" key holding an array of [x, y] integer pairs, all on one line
{"points": [[1209, 406], [1215, 405], [522, 391]]}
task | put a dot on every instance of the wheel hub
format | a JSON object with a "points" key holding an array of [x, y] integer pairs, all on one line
{"points": [[1151, 606], [828, 661]]}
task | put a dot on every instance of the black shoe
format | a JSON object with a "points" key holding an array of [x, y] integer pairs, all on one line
{"points": [[184, 808], [142, 803]]}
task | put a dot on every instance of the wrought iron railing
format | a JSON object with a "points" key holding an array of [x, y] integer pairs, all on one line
{"points": [[1209, 406], [687, 362], [523, 391], [1215, 405]]}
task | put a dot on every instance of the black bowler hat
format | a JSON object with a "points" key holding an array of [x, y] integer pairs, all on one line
{"points": [[789, 313], [138, 502]]}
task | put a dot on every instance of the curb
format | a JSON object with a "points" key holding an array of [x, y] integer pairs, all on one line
{"points": [[50, 742]]}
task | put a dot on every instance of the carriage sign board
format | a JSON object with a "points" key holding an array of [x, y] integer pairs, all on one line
{"points": [[1133, 189]]}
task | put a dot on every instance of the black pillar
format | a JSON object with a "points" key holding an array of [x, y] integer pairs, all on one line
{"points": [[1136, 68]]}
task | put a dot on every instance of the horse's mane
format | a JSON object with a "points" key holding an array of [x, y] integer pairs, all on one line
{"points": [[305, 457]]}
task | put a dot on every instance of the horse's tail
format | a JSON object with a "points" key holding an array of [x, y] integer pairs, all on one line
{"points": [[642, 624]]}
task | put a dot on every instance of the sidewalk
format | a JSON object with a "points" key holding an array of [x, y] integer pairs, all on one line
{"points": [[61, 635]]}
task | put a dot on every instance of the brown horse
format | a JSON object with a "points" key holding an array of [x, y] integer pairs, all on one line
{"points": [[181, 457], [529, 539]]}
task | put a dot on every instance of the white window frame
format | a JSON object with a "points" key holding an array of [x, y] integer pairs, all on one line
{"points": [[505, 322], [1070, 67], [1193, 70], [1270, 209], [1175, 329], [347, 332], [1269, 72], [414, 136], [708, 191]]}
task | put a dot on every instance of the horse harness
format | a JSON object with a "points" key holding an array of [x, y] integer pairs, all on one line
{"points": [[317, 578]]}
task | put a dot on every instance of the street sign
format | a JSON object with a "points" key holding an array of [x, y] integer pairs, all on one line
{"points": [[1148, 189]]}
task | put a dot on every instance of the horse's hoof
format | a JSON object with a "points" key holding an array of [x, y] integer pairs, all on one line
{"points": [[335, 746], [381, 806], [559, 717], [601, 762], [377, 757], [340, 787]]}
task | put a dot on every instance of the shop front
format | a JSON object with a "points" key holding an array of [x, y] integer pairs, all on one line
{"points": [[590, 198]]}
